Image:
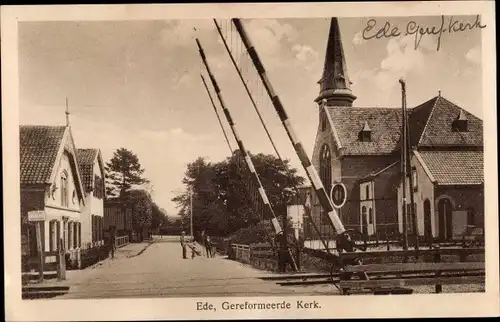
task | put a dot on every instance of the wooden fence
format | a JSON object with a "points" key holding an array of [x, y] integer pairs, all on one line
{"points": [[121, 241], [261, 256]]}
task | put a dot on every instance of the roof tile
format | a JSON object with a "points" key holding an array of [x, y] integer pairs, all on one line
{"points": [[385, 124], [439, 130], [86, 159], [38, 148], [455, 167]]}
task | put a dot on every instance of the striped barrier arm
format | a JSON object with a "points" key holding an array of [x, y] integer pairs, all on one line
{"points": [[255, 177], [344, 240]]}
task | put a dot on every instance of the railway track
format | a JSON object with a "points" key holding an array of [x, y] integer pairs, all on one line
{"points": [[412, 278]]}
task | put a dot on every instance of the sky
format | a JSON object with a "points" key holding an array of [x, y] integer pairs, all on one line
{"points": [[137, 85]]}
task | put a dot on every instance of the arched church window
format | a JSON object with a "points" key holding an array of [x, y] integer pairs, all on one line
{"points": [[325, 165]]}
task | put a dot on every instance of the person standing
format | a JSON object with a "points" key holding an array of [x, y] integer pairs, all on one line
{"points": [[208, 246], [183, 245], [112, 243]]}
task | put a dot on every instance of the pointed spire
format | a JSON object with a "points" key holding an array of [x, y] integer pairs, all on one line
{"points": [[335, 85], [67, 113]]}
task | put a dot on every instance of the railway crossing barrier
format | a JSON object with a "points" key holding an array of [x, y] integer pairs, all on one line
{"points": [[394, 277]]}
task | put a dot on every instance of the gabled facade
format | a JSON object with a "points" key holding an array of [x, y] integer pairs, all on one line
{"points": [[92, 170], [447, 168], [50, 182], [361, 147]]}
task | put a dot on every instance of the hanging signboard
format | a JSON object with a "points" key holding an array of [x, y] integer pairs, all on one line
{"points": [[37, 215], [338, 195]]}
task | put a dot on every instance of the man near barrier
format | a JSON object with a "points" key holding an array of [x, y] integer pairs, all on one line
{"points": [[183, 245], [208, 245]]}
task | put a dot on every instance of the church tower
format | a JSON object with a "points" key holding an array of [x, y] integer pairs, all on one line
{"points": [[335, 86]]}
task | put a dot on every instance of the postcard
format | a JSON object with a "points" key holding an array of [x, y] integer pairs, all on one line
{"points": [[217, 161]]}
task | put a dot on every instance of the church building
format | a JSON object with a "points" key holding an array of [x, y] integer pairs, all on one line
{"points": [[360, 147]]}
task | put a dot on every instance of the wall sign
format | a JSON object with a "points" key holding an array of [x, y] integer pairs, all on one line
{"points": [[338, 195]]}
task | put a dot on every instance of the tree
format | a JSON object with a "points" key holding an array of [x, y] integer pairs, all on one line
{"points": [[158, 217], [123, 172], [140, 203], [223, 200]]}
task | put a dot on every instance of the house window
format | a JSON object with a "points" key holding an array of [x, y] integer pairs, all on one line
{"points": [[414, 178], [370, 216], [98, 187], [367, 194], [93, 229], [58, 234], [325, 167], [75, 235], [70, 235], [64, 189], [79, 235]]}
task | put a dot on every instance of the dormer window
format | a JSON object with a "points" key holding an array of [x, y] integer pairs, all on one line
{"points": [[365, 135], [460, 123]]}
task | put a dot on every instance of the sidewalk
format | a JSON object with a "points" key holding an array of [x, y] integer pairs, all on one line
{"points": [[130, 250], [74, 276]]}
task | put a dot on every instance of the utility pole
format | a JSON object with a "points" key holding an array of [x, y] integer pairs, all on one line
{"points": [[403, 166], [191, 210], [409, 173]]}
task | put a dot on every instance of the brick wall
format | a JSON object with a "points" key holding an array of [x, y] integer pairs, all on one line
{"points": [[464, 198], [353, 169]]}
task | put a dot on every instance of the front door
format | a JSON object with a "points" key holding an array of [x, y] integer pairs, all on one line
{"points": [[445, 222]]}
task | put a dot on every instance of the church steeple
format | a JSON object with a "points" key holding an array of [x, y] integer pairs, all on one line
{"points": [[335, 85]]}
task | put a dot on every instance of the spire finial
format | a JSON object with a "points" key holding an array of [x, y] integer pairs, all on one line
{"points": [[67, 113], [439, 93]]}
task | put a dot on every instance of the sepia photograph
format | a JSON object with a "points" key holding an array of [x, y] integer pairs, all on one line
{"points": [[253, 164]]}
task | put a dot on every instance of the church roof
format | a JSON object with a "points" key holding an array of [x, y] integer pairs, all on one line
{"points": [[455, 167], [384, 123], [86, 159], [430, 126], [38, 149], [437, 116]]}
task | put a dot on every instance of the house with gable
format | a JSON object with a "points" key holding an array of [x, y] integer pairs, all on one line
{"points": [[447, 168], [50, 181], [361, 147], [92, 171]]}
